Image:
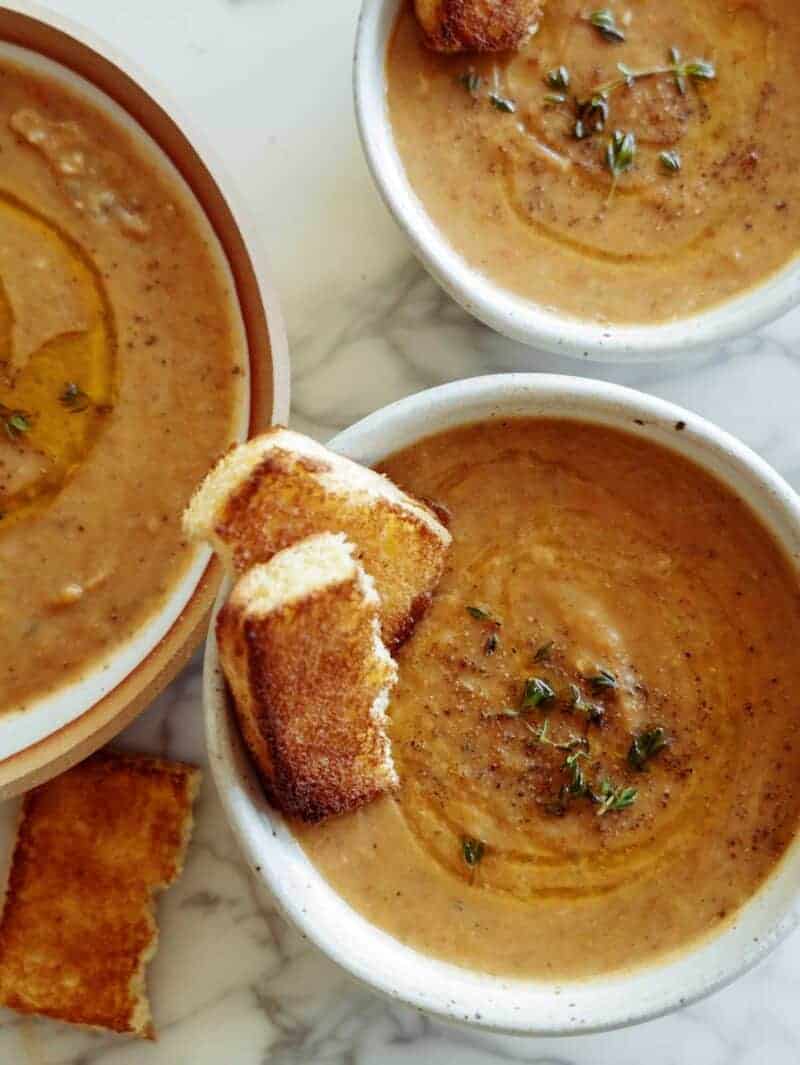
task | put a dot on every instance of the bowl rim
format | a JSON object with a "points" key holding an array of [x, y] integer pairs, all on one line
{"points": [[509, 314], [376, 958], [81, 53]]}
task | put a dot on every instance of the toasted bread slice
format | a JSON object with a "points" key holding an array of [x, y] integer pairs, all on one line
{"points": [[300, 646], [281, 487], [477, 25], [78, 926]]}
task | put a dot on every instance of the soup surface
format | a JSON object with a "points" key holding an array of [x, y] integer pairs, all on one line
{"points": [[121, 368], [596, 722], [709, 204]]}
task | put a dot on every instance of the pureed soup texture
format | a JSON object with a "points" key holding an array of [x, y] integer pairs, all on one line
{"points": [[121, 364], [632, 167], [596, 723]]}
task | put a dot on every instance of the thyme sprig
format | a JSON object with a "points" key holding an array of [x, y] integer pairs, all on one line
{"points": [[592, 112], [542, 735], [612, 797]]}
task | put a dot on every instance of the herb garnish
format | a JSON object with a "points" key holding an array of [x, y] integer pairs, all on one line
{"points": [[502, 103], [74, 398], [605, 23], [542, 735], [15, 422], [536, 692], [592, 112], [620, 153], [543, 652], [594, 712], [473, 851], [481, 615], [612, 798], [577, 787], [591, 116], [602, 680], [471, 82], [558, 78], [646, 745], [507, 711], [490, 646], [555, 98], [671, 161]]}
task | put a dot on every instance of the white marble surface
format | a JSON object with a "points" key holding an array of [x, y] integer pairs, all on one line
{"points": [[269, 80]]}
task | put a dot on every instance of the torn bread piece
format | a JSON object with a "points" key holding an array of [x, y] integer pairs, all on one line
{"points": [[300, 646], [93, 847], [281, 487], [478, 25]]}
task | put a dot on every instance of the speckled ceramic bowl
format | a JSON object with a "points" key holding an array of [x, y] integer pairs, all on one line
{"points": [[520, 1006], [56, 731], [504, 311]]}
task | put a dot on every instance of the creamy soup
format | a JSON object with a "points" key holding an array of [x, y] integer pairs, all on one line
{"points": [[596, 724], [121, 366], [510, 157]]}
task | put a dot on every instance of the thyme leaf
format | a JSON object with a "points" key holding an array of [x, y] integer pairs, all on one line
{"points": [[490, 646], [671, 161], [536, 692], [593, 711], [612, 798], [502, 103], [15, 422], [472, 850], [74, 398], [480, 614], [558, 78], [471, 82], [543, 652], [606, 25], [603, 680], [646, 745]]}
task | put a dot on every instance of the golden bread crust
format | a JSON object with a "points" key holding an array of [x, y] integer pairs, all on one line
{"points": [[287, 495], [477, 25], [78, 928], [310, 682]]}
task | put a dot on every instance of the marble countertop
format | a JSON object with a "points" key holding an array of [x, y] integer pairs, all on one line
{"points": [[269, 81]]}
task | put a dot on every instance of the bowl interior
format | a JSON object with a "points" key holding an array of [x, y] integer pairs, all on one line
{"points": [[69, 722], [499, 308], [531, 1007]]}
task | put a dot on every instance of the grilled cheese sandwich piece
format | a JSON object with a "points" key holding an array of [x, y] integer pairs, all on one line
{"points": [[281, 487], [93, 847], [477, 25], [300, 646]]}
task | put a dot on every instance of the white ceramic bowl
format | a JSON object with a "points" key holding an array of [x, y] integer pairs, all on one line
{"points": [[525, 1007], [504, 311]]}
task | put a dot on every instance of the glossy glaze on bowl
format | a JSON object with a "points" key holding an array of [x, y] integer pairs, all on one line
{"points": [[504, 311], [525, 1007]]}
